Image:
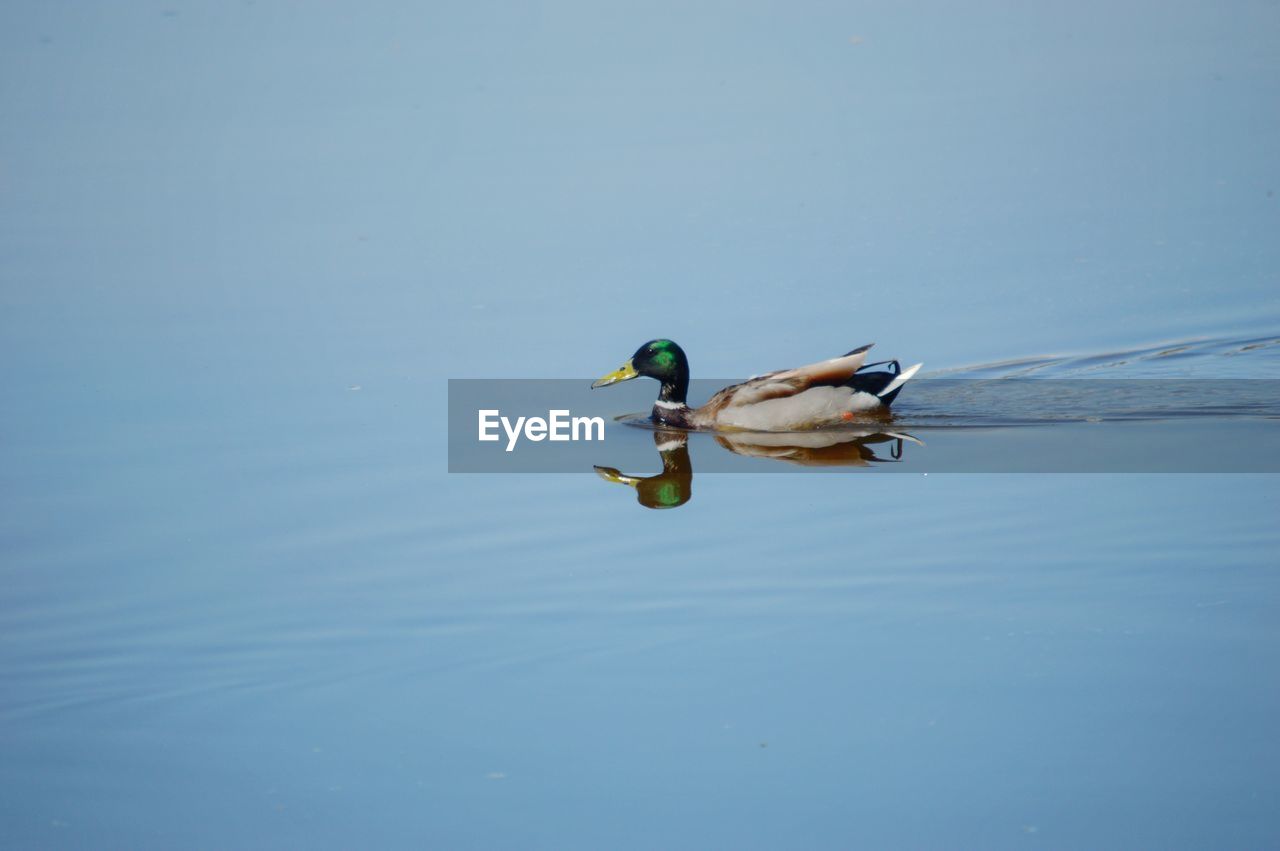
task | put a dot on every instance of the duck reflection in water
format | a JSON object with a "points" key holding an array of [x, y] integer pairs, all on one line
{"points": [[833, 448], [673, 487]]}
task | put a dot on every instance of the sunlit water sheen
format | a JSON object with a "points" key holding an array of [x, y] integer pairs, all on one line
{"points": [[242, 604]]}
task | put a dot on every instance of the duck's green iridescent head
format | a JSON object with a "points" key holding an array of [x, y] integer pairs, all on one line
{"points": [[660, 359]]}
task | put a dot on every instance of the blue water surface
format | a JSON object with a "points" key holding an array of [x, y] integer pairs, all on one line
{"points": [[244, 245]]}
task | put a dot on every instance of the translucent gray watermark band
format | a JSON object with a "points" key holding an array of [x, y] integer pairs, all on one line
{"points": [[1011, 425]]}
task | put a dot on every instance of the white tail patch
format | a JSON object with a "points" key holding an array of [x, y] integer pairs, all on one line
{"points": [[902, 379]]}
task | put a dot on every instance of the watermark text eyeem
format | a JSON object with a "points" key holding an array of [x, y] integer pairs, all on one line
{"points": [[559, 425]]}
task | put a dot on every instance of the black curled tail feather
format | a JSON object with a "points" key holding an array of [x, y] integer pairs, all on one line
{"points": [[866, 381], [870, 382]]}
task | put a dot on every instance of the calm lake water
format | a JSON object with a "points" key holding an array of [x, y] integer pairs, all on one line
{"points": [[243, 247]]}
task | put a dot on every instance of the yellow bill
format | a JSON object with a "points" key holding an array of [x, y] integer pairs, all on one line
{"points": [[613, 474], [625, 373]]}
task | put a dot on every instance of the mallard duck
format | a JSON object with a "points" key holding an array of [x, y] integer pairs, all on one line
{"points": [[822, 394]]}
